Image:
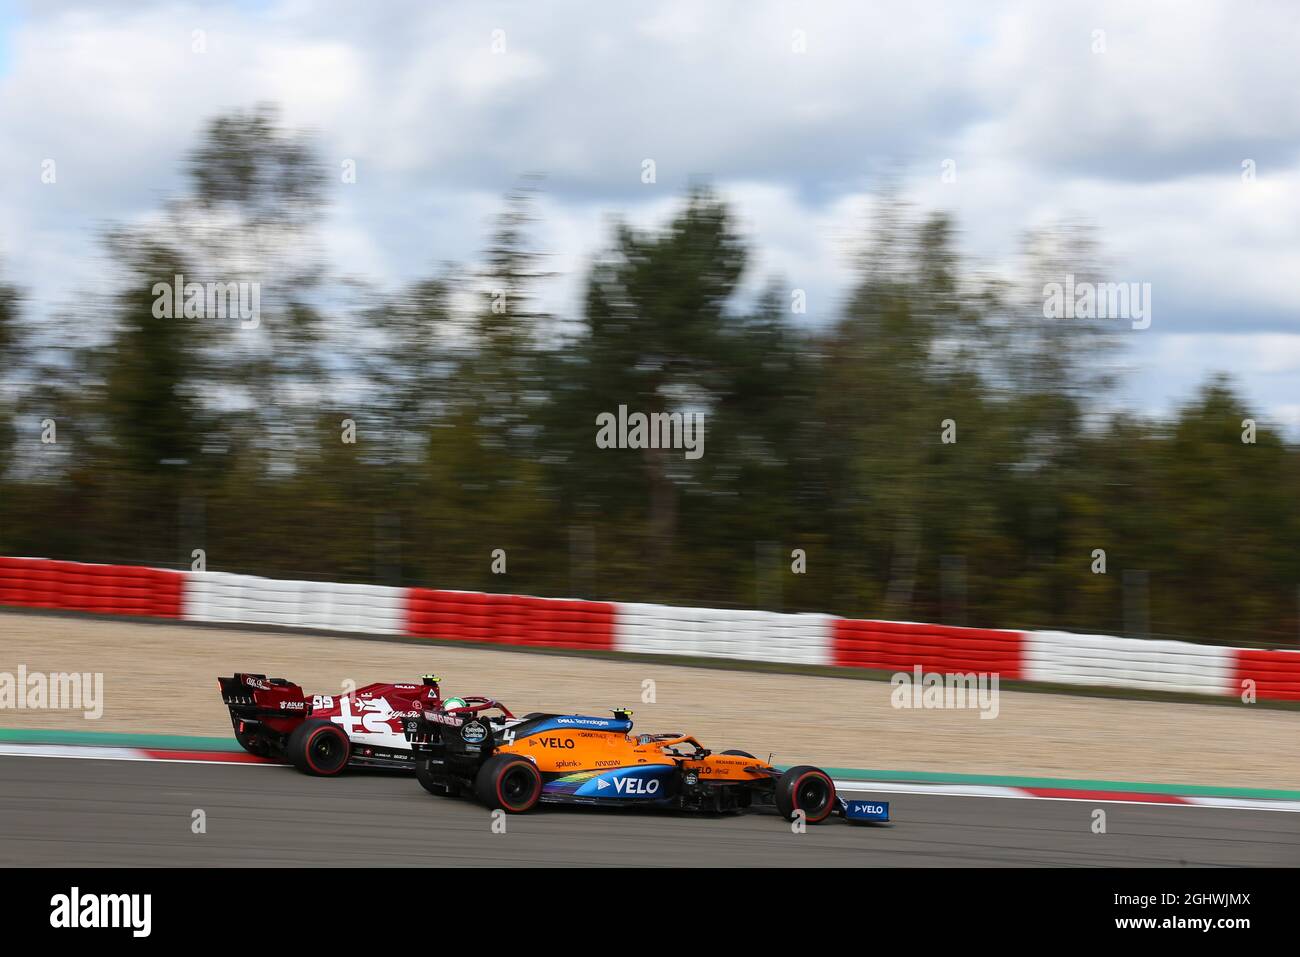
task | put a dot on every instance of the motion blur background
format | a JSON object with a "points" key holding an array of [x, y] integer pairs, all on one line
{"points": [[852, 216]]}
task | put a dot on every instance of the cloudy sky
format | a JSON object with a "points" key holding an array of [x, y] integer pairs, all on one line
{"points": [[1135, 117]]}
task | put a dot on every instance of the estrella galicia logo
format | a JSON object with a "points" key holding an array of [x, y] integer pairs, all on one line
{"points": [[473, 732]]}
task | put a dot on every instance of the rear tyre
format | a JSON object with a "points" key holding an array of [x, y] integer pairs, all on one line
{"points": [[319, 748], [806, 789], [248, 739], [508, 782]]}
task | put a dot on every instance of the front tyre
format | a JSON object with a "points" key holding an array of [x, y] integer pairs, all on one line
{"points": [[509, 782], [806, 789], [319, 748]]}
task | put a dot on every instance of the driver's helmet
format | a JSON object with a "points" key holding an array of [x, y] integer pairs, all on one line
{"points": [[449, 703]]}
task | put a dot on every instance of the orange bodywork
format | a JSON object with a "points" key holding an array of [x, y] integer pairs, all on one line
{"points": [[515, 763], [566, 751]]}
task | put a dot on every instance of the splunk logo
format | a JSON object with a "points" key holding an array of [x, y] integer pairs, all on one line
{"points": [[74, 910], [940, 691], [658, 430]]}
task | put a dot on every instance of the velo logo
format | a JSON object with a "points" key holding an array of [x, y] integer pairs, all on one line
{"points": [[631, 787]]}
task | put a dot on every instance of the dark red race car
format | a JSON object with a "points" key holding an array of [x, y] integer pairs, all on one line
{"points": [[324, 733]]}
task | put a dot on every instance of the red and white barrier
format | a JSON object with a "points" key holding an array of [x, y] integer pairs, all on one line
{"points": [[1054, 657], [222, 597], [901, 645], [1276, 674], [103, 589], [723, 633], [510, 619], [1061, 657]]}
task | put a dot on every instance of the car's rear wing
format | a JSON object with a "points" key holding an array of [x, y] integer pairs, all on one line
{"points": [[425, 733], [254, 695]]}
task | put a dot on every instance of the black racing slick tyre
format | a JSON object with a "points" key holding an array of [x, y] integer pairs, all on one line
{"points": [[508, 782], [806, 789], [320, 748], [248, 739]]}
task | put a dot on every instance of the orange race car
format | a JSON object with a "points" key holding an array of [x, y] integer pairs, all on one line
{"points": [[512, 763]]}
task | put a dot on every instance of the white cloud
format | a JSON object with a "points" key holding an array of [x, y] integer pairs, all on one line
{"points": [[1144, 140]]}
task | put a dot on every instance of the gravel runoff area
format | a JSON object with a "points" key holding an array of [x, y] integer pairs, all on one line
{"points": [[162, 678]]}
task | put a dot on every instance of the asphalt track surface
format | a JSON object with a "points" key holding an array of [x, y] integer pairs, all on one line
{"points": [[57, 811]]}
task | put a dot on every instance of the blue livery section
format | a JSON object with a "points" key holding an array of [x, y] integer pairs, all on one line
{"points": [[855, 810], [578, 722], [649, 783]]}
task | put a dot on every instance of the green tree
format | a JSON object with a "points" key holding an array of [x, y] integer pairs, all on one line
{"points": [[657, 320]]}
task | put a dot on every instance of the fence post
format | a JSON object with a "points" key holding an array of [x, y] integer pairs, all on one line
{"points": [[1137, 604], [388, 548], [767, 576], [582, 561], [952, 589]]}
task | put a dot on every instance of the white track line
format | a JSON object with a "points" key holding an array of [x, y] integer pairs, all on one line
{"points": [[91, 753], [992, 791]]}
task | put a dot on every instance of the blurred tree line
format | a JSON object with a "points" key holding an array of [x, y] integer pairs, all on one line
{"points": [[474, 414]]}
